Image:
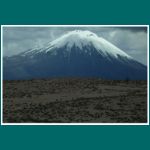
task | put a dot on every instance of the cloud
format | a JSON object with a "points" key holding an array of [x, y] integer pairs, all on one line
{"points": [[133, 43], [132, 40], [135, 29]]}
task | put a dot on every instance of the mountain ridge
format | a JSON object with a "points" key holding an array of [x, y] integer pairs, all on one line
{"points": [[78, 54]]}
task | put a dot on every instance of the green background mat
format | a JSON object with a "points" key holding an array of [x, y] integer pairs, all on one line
{"points": [[75, 12]]}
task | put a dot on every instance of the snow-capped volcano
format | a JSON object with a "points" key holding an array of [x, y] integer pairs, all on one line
{"points": [[75, 54], [81, 39]]}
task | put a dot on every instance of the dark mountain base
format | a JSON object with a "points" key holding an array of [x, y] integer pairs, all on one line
{"points": [[74, 101]]}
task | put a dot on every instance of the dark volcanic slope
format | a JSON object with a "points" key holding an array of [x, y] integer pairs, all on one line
{"points": [[76, 54], [75, 100]]}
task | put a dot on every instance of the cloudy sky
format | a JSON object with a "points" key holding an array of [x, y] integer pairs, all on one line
{"points": [[132, 40]]}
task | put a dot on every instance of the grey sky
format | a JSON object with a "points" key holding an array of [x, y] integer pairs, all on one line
{"points": [[132, 40]]}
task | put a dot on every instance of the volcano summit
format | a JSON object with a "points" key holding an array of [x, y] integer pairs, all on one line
{"points": [[75, 54]]}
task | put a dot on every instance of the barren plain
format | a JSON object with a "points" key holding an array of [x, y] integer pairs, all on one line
{"points": [[74, 100]]}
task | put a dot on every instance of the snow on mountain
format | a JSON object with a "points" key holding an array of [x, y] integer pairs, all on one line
{"points": [[83, 39], [75, 54]]}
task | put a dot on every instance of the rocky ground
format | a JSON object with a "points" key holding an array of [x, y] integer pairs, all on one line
{"points": [[74, 101]]}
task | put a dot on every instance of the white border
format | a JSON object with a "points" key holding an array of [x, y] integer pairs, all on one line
{"points": [[75, 123]]}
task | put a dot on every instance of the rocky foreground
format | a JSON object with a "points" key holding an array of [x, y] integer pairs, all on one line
{"points": [[74, 101]]}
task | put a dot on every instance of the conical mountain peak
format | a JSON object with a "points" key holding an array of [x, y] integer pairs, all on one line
{"points": [[75, 54], [82, 39]]}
